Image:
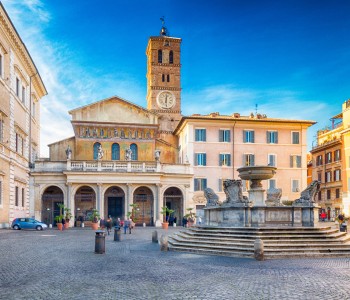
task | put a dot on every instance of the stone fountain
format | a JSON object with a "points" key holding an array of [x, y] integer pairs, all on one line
{"points": [[256, 211]]}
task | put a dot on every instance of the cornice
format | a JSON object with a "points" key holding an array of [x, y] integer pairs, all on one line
{"points": [[167, 111], [165, 64], [21, 50], [162, 88]]}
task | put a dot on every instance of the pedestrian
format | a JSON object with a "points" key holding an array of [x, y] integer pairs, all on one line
{"points": [[126, 225], [63, 222], [184, 222], [118, 223], [130, 225], [199, 220], [102, 223], [109, 225]]}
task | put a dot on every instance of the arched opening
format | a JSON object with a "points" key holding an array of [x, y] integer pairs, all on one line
{"points": [[171, 57], [173, 199], [160, 56], [115, 152], [143, 197], [52, 196], [114, 202], [85, 202], [96, 146], [134, 155]]}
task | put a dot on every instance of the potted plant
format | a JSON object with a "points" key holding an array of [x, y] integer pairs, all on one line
{"points": [[67, 217], [94, 219], [60, 217], [166, 212], [190, 216], [132, 214]]}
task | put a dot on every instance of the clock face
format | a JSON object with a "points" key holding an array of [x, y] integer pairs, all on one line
{"points": [[166, 99]]}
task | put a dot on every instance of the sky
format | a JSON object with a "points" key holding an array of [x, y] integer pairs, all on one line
{"points": [[290, 58]]}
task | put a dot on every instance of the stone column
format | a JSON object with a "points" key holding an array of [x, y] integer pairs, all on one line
{"points": [[98, 197], [127, 200], [158, 205], [70, 203]]}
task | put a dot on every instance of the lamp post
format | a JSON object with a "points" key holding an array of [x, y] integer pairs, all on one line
{"points": [[76, 216]]}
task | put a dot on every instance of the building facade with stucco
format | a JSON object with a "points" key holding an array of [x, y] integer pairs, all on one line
{"points": [[21, 89]]}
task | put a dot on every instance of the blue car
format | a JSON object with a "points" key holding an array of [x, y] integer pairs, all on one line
{"points": [[27, 223]]}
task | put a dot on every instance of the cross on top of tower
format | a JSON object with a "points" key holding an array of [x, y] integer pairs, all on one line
{"points": [[164, 30]]}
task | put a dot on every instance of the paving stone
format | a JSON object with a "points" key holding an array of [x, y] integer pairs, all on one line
{"points": [[62, 265]]}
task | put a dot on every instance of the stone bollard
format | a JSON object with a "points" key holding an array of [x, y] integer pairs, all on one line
{"points": [[259, 249], [100, 244], [155, 236], [163, 242]]}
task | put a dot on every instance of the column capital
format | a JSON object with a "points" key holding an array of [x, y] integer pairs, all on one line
{"points": [[99, 184], [159, 185]]}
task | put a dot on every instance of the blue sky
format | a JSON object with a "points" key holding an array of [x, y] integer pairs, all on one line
{"points": [[289, 57]]}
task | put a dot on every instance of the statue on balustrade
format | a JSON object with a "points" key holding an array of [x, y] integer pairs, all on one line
{"points": [[69, 153]]}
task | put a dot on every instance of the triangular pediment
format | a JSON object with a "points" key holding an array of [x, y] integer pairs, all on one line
{"points": [[114, 110]]}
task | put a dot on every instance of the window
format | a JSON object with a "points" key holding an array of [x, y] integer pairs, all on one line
{"points": [[115, 152], [1, 129], [168, 78], [17, 86], [337, 175], [163, 77], [328, 194], [337, 193], [328, 157], [22, 197], [16, 196], [328, 176], [160, 56], [96, 147], [272, 183], [272, 137], [200, 135], [295, 161], [171, 57], [319, 161], [23, 94], [295, 185], [1, 65], [134, 154], [200, 159], [248, 136], [272, 160], [19, 144], [319, 177], [319, 196], [295, 137], [221, 185], [224, 135], [248, 160], [225, 160], [337, 155], [245, 185], [200, 184]]}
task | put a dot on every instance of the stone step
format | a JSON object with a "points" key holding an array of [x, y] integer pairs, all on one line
{"points": [[326, 240], [307, 255], [214, 252], [215, 228]]}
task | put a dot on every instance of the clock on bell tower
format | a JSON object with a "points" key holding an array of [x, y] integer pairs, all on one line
{"points": [[163, 79]]}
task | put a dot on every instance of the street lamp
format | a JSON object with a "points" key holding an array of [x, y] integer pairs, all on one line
{"points": [[48, 212]]}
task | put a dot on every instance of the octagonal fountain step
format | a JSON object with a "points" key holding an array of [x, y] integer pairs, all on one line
{"points": [[278, 242]]}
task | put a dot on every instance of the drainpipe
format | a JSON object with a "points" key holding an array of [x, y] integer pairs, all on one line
{"points": [[233, 149], [31, 165]]}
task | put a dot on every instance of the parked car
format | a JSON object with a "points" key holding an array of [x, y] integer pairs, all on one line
{"points": [[27, 223]]}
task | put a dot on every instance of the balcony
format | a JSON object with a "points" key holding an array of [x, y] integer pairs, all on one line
{"points": [[111, 166]]}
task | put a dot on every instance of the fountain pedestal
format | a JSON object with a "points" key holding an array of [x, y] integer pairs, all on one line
{"points": [[257, 197]]}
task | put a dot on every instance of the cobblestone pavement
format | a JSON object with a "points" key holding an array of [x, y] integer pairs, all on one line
{"points": [[62, 265]]}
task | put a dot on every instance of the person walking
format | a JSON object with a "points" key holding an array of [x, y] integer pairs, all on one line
{"points": [[109, 225], [199, 220], [126, 225]]}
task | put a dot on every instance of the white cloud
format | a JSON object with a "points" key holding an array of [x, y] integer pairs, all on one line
{"points": [[69, 85]]}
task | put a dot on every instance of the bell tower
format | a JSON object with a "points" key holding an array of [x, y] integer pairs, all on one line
{"points": [[163, 79]]}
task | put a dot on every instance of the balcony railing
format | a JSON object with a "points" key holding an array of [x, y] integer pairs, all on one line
{"points": [[110, 166]]}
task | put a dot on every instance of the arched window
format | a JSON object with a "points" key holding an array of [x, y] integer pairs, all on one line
{"points": [[160, 56], [163, 77], [115, 152], [96, 146], [168, 78], [171, 57], [133, 148]]}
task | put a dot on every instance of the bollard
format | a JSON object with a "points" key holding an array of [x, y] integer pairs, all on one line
{"points": [[144, 224], [117, 234], [259, 249], [163, 242], [100, 242], [155, 236]]}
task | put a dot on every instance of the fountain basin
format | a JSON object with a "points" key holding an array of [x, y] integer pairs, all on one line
{"points": [[256, 172]]}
